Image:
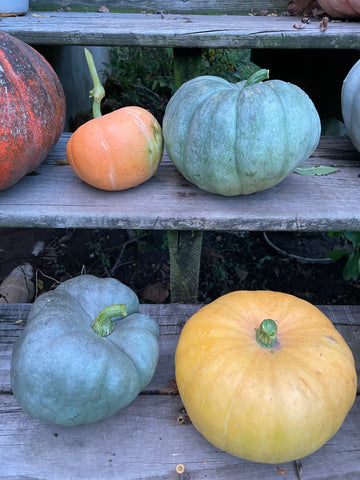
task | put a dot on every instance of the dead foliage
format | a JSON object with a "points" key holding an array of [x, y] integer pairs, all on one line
{"points": [[302, 7]]}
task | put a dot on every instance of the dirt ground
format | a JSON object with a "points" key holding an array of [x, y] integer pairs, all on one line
{"points": [[230, 261]]}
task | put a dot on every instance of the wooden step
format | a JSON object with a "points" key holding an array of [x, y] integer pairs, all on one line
{"points": [[207, 7], [147, 439], [54, 197], [179, 30]]}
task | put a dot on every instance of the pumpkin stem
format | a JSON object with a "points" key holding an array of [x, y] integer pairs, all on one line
{"points": [[266, 334], [104, 322], [98, 92], [257, 77]]}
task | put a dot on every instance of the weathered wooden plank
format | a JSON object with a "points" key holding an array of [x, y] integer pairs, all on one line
{"points": [[228, 7], [146, 441], [171, 318], [169, 30], [56, 198]]}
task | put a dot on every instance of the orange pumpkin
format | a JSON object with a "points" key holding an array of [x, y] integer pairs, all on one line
{"points": [[116, 151], [257, 394], [341, 8], [33, 109]]}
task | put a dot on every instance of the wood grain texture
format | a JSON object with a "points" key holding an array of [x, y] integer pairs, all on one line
{"points": [[175, 6], [185, 258], [146, 440], [172, 30], [55, 197]]}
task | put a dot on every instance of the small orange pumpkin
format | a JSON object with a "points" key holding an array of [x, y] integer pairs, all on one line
{"points": [[264, 375], [116, 151]]}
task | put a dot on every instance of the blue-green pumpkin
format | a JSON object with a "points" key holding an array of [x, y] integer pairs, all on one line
{"points": [[85, 352], [240, 138], [350, 104]]}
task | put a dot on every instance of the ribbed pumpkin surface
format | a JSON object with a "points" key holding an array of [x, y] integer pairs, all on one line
{"points": [[265, 404], [241, 138], [32, 109], [350, 104]]}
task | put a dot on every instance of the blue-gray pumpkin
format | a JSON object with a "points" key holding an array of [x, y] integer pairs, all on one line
{"points": [[240, 138], [85, 352], [350, 104]]}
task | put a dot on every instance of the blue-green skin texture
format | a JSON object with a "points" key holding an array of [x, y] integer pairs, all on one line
{"points": [[350, 104], [65, 373], [233, 139]]}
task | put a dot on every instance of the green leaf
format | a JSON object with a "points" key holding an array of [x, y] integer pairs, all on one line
{"points": [[315, 170], [353, 237], [337, 254], [352, 267], [335, 234]]}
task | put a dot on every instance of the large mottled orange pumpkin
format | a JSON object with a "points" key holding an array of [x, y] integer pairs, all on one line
{"points": [[32, 109], [341, 8], [264, 375], [118, 150]]}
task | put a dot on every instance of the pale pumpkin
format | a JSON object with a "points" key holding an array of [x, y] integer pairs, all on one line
{"points": [[241, 138], [341, 8], [350, 104], [85, 353], [257, 394]]}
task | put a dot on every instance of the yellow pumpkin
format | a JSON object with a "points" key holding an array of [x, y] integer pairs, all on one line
{"points": [[271, 391]]}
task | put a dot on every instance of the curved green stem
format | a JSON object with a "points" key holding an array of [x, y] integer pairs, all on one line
{"points": [[257, 77], [98, 92], [266, 333], [104, 322]]}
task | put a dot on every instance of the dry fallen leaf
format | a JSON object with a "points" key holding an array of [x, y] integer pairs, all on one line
{"points": [[214, 254], [157, 292], [63, 161], [18, 286], [300, 7], [103, 9], [324, 24], [281, 470], [171, 389], [242, 274], [184, 419]]}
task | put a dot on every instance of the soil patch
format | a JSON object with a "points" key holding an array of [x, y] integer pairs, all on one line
{"points": [[230, 261], [306, 247]]}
